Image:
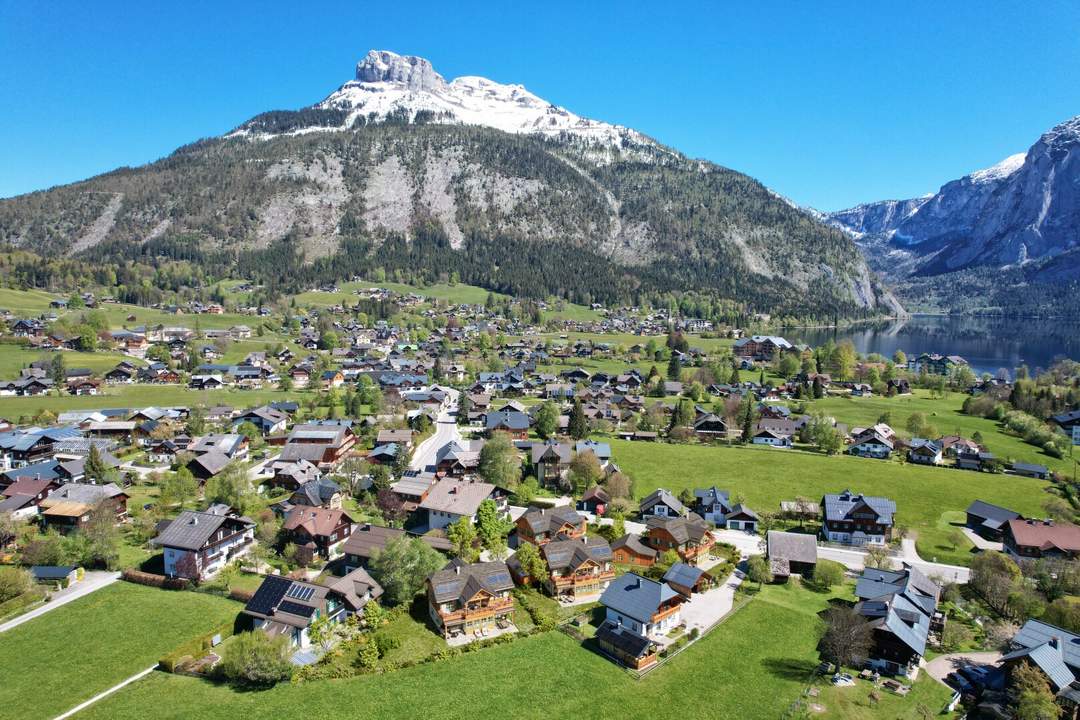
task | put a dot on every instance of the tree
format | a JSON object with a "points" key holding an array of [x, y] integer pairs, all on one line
{"points": [[14, 581], [846, 637], [683, 414], [619, 485], [231, 486], [674, 368], [102, 537], [877, 556], [403, 566], [747, 412], [547, 420], [95, 468], [579, 424], [828, 574], [58, 369], [843, 359], [994, 576], [462, 535], [321, 631], [492, 527], [955, 636], [899, 358], [585, 471], [196, 422], [499, 463], [531, 563], [254, 658], [391, 506], [1030, 694], [758, 570], [252, 433], [178, 487], [788, 365]]}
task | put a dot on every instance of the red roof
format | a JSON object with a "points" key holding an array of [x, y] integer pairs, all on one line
{"points": [[316, 521], [1046, 536]]}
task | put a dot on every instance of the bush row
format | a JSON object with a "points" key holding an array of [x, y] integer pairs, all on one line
{"points": [[194, 648], [153, 580]]}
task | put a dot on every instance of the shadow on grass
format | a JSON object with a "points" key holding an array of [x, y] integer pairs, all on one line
{"points": [[789, 668]]}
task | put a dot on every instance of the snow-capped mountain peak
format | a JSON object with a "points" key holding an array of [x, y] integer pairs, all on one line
{"points": [[408, 87], [1002, 170]]}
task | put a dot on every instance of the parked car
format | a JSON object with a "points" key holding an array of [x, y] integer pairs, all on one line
{"points": [[842, 680]]}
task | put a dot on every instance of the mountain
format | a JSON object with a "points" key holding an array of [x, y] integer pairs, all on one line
{"points": [[399, 170], [1015, 222]]}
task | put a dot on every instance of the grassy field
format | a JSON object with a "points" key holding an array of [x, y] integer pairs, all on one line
{"points": [[765, 476], [944, 414], [68, 655], [138, 396], [15, 357], [753, 666]]}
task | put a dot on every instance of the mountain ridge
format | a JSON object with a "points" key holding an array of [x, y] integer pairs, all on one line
{"points": [[402, 170]]}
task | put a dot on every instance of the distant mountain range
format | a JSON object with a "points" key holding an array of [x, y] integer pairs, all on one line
{"points": [[402, 170], [1013, 229]]}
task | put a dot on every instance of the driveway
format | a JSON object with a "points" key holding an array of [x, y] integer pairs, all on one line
{"points": [[942, 665], [746, 543], [446, 431], [980, 542], [705, 609], [92, 580]]}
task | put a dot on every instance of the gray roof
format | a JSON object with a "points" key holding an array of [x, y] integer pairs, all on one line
{"points": [[662, 496], [900, 602], [683, 574], [839, 506], [634, 544], [683, 529], [572, 554], [1056, 651], [994, 516], [191, 530], [460, 581], [793, 547], [637, 597], [541, 520]]}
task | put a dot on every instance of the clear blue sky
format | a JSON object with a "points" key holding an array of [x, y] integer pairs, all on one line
{"points": [[829, 103]]}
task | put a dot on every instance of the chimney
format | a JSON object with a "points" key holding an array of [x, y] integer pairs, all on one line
{"points": [[457, 569]]}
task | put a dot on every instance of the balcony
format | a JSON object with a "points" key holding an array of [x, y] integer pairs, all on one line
{"points": [[478, 612], [665, 613]]}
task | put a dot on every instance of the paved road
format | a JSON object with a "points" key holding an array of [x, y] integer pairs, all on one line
{"points": [[942, 665], [92, 580], [704, 610], [446, 431], [854, 559]]}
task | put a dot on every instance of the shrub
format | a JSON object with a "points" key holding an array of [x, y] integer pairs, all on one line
{"points": [[14, 582], [256, 659]]}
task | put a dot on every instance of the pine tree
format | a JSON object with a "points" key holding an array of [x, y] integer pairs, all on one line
{"points": [[579, 424], [674, 368]]}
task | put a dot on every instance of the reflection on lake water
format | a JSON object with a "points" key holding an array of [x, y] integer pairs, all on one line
{"points": [[986, 343]]}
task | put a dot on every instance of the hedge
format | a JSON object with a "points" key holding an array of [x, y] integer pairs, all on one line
{"points": [[195, 648], [153, 580]]}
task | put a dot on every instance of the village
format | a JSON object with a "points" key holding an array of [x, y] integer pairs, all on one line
{"points": [[374, 480]]}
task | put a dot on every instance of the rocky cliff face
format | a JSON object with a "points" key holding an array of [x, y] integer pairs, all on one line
{"points": [[1023, 211]]}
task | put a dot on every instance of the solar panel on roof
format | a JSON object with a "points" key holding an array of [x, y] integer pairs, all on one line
{"points": [[296, 609], [300, 592]]}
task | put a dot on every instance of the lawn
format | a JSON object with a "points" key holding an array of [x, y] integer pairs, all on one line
{"points": [[753, 666], [15, 357], [765, 476], [56, 661], [942, 413], [142, 395]]}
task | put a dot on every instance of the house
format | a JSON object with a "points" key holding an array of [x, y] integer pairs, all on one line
{"points": [[712, 504], [595, 501], [1031, 470], [742, 518], [760, 347], [402, 437], [283, 606], [1055, 652], [901, 607], [924, 452], [687, 579], [626, 647], [268, 420], [69, 507], [855, 519], [294, 475], [448, 500], [322, 444], [768, 436], [540, 526], [459, 458], [513, 422], [198, 544], [791, 554], [710, 427], [1070, 424], [662, 503], [644, 607], [690, 536], [1041, 539], [871, 443], [322, 492], [578, 568], [551, 461], [317, 530], [470, 599], [22, 498], [989, 520], [365, 542], [935, 364], [62, 575], [630, 550], [978, 461]]}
